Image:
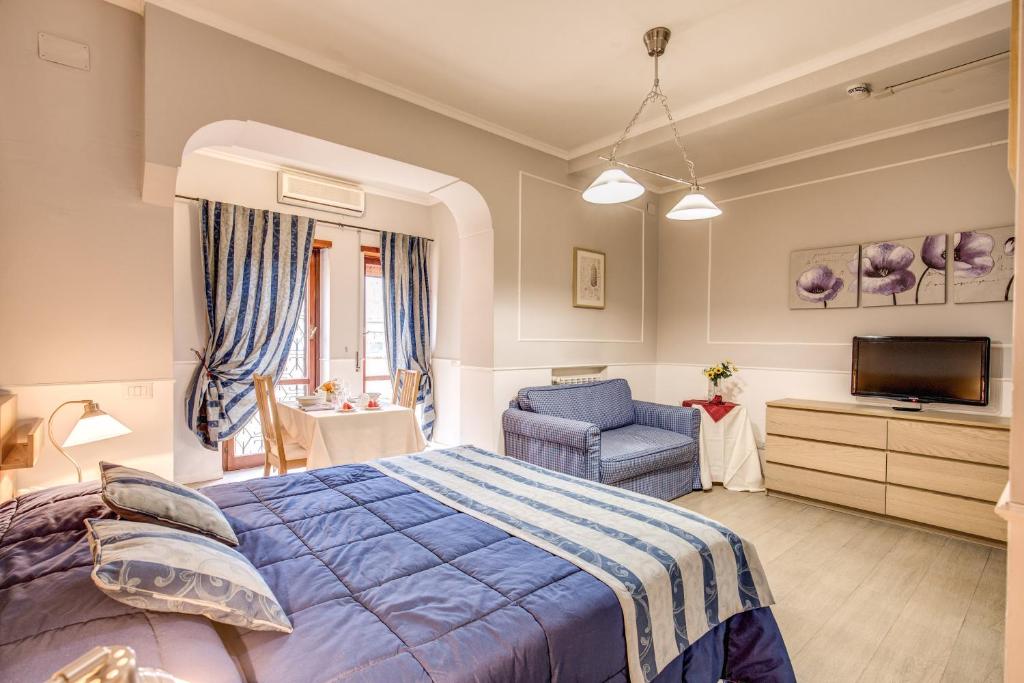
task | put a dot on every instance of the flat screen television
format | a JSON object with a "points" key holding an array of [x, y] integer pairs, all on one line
{"points": [[922, 369]]}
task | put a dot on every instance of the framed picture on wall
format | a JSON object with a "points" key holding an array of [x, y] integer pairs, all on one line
{"points": [[824, 278], [588, 278], [983, 265], [903, 272]]}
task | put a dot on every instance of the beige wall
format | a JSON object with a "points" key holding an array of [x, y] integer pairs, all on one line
{"points": [[74, 224], [85, 269], [724, 283], [555, 220]]}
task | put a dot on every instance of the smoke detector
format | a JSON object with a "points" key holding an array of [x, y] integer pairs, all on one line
{"points": [[859, 91]]}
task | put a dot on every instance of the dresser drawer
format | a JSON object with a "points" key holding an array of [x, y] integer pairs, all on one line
{"points": [[853, 461], [833, 488], [984, 482], [973, 444], [854, 430], [941, 510]]}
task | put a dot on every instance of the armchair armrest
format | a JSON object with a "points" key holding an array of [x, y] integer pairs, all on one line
{"points": [[671, 418], [569, 446]]}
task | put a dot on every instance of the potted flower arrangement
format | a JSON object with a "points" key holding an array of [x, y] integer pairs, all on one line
{"points": [[717, 373], [330, 389]]}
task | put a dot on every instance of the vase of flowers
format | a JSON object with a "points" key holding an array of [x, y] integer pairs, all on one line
{"points": [[717, 373], [330, 390]]}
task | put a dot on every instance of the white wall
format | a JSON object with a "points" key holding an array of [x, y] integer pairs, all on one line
{"points": [[254, 184]]}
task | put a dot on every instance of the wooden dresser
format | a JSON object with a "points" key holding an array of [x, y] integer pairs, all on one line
{"points": [[942, 469]]}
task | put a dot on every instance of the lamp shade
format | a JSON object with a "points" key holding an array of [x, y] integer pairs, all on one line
{"points": [[612, 187], [693, 207], [94, 425]]}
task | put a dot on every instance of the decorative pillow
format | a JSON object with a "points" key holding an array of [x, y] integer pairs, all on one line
{"points": [[167, 570], [144, 497]]}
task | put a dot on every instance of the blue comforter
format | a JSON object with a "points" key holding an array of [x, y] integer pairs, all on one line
{"points": [[381, 582]]}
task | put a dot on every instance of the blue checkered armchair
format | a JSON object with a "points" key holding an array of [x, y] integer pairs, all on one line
{"points": [[597, 431]]}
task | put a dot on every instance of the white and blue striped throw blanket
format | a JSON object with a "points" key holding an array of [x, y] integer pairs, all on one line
{"points": [[676, 573]]}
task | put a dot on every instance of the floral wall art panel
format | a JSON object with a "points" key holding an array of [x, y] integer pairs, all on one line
{"points": [[904, 272], [983, 265], [823, 278]]}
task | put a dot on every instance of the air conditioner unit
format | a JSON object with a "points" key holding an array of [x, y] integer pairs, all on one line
{"points": [[320, 192]]}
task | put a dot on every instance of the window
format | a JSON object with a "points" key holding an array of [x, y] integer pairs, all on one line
{"points": [[301, 372], [376, 376]]}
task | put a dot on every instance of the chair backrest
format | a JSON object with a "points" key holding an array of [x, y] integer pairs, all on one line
{"points": [[407, 388], [266, 402], [607, 403]]}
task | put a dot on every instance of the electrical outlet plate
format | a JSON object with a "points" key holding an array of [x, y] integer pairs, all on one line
{"points": [[64, 51], [138, 390]]}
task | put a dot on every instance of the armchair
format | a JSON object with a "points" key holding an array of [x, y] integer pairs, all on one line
{"points": [[597, 431]]}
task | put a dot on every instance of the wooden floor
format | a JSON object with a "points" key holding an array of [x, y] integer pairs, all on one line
{"points": [[860, 599]]}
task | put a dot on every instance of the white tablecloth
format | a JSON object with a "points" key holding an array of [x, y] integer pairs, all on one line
{"points": [[728, 452], [334, 438]]}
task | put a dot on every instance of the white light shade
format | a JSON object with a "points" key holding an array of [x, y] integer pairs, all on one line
{"points": [[94, 425], [693, 207], [612, 187]]}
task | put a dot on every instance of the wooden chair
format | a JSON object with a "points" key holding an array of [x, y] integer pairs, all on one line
{"points": [[273, 441], [407, 388]]}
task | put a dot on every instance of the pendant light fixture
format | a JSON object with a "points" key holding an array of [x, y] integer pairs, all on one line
{"points": [[614, 185]]}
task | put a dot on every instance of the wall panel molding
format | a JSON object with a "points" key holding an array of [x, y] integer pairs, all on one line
{"points": [[519, 272], [710, 238]]}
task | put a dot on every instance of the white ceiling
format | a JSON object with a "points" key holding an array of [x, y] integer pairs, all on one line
{"points": [[566, 76]]}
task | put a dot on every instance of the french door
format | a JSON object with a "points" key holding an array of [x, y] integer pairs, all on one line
{"points": [[375, 374], [301, 374]]}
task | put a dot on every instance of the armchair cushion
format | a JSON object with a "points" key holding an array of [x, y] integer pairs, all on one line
{"points": [[607, 404], [638, 449]]}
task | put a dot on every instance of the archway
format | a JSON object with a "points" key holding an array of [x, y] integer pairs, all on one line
{"points": [[465, 381]]}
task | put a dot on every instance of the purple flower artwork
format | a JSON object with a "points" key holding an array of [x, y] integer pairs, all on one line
{"points": [[983, 265], [892, 274], [972, 254], [818, 284], [819, 279]]}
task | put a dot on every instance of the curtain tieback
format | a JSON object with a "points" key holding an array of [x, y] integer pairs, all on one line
{"points": [[202, 361]]}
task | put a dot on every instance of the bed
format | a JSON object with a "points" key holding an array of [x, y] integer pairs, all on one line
{"points": [[381, 582]]}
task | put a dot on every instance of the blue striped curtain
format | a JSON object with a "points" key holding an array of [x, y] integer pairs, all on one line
{"points": [[407, 321], [256, 264]]}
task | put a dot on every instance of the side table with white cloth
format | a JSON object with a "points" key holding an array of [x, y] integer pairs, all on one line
{"points": [[341, 438], [728, 449]]}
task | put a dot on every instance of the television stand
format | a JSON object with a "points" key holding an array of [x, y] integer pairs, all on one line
{"points": [[942, 469]]}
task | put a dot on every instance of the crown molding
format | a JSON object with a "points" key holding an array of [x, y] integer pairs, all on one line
{"points": [[903, 32], [339, 68], [878, 136]]}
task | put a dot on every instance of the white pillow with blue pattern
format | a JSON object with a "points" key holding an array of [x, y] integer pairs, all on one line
{"points": [[141, 496], [166, 570]]}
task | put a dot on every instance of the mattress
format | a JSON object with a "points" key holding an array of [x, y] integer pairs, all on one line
{"points": [[381, 582]]}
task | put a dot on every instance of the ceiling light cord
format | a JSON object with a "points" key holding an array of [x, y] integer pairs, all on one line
{"points": [[656, 95]]}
